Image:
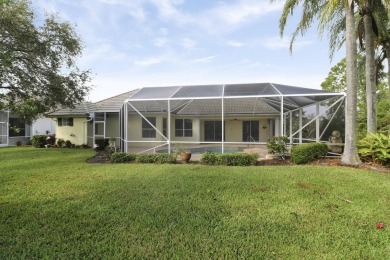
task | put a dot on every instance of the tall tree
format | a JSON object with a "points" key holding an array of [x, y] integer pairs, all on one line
{"points": [[350, 155], [366, 11], [38, 70], [327, 11]]}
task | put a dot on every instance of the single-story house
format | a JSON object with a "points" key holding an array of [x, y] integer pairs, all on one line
{"points": [[14, 129], [221, 118], [88, 122]]}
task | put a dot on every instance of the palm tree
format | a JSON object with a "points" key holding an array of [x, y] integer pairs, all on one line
{"points": [[350, 155], [366, 11], [329, 11], [372, 12]]}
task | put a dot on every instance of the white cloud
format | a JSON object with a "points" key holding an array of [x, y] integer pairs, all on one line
{"points": [[188, 43], [205, 59], [275, 43], [159, 42], [103, 52], [243, 10], [235, 43], [148, 61]]}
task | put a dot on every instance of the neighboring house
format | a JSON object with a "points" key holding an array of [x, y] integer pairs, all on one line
{"points": [[227, 116], [14, 129], [88, 122]]}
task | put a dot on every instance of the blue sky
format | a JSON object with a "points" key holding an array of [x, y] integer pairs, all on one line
{"points": [[139, 43]]}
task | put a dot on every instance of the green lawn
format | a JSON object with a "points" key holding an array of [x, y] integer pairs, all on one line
{"points": [[54, 205]]}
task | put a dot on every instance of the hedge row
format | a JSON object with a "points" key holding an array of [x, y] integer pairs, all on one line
{"points": [[305, 153], [121, 157], [230, 159]]}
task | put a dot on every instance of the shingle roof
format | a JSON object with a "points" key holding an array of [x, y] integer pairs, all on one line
{"points": [[112, 104]]}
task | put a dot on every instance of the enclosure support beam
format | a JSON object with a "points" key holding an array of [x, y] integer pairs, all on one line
{"points": [[300, 126], [291, 137], [281, 116], [126, 117], [317, 122], [223, 118], [169, 127]]}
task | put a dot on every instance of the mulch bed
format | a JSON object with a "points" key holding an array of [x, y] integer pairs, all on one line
{"points": [[101, 158]]}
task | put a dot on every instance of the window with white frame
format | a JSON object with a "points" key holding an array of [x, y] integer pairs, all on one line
{"points": [[65, 121], [183, 127], [147, 130]]}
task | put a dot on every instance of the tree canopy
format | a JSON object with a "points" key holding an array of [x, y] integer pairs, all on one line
{"points": [[38, 70], [336, 81]]}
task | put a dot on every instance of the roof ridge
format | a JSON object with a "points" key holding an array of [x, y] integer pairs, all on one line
{"points": [[114, 96]]}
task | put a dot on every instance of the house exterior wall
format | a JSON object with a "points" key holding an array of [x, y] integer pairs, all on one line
{"points": [[43, 125], [233, 129], [76, 133]]}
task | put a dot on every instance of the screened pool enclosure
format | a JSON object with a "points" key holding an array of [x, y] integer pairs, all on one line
{"points": [[227, 117]]}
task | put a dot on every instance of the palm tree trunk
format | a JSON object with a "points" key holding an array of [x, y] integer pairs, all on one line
{"points": [[370, 70], [388, 66], [350, 155]]}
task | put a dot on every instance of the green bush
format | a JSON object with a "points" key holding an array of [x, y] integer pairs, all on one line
{"points": [[209, 158], [237, 159], [156, 158], [68, 144], [277, 146], [305, 153], [375, 148], [230, 159], [121, 157], [61, 142], [39, 141]]}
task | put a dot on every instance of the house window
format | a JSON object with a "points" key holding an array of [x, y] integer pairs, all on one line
{"points": [[183, 127], [165, 127], [147, 130], [213, 131], [250, 131], [65, 121], [17, 127]]}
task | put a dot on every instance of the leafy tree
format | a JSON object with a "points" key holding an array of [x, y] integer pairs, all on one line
{"points": [[335, 81], [328, 12], [38, 70]]}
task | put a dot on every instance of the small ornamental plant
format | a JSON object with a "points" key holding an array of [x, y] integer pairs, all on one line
{"points": [[278, 146]]}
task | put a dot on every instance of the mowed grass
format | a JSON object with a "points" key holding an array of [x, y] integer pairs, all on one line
{"points": [[54, 205]]}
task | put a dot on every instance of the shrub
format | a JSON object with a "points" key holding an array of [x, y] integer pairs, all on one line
{"points": [[237, 159], [156, 158], [230, 159], [101, 144], [277, 146], [209, 158], [305, 153], [60, 142], [68, 144], [39, 141], [121, 157], [375, 148]]}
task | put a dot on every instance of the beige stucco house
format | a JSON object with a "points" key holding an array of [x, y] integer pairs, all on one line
{"points": [[222, 117]]}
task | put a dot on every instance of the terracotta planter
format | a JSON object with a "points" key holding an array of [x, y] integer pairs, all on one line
{"points": [[185, 157]]}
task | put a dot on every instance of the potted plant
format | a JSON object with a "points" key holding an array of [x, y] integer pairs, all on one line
{"points": [[185, 154]]}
